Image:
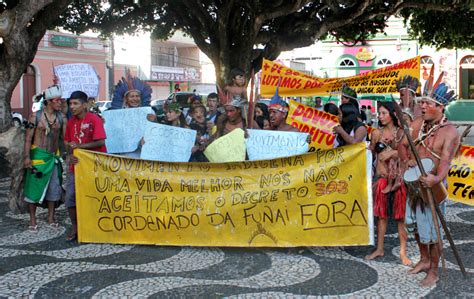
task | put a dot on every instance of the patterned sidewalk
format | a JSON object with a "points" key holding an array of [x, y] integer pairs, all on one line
{"points": [[44, 265]]}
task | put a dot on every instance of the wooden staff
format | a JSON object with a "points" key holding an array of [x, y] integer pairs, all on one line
{"points": [[251, 100], [434, 208]]}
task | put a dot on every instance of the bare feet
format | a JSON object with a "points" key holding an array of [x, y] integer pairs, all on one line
{"points": [[405, 260], [396, 185], [422, 266], [374, 255], [430, 279]]}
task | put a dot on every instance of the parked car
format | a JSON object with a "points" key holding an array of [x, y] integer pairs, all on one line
{"points": [[103, 105], [17, 119], [182, 98]]}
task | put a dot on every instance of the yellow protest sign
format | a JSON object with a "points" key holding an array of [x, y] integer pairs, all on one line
{"points": [[296, 83], [316, 123], [228, 148], [461, 176], [316, 199]]}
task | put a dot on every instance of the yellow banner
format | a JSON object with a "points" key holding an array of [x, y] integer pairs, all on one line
{"points": [[318, 124], [461, 177], [296, 83], [316, 199]]}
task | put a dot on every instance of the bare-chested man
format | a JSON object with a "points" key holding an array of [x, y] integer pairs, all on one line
{"points": [[278, 113], [231, 119], [41, 156], [407, 86], [435, 138]]}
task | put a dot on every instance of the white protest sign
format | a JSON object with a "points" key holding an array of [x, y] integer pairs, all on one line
{"points": [[167, 143], [125, 128], [77, 76], [265, 144]]}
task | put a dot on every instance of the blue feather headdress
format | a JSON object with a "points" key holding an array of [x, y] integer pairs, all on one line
{"points": [[128, 84], [438, 92]]}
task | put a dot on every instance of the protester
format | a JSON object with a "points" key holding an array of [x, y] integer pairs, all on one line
{"points": [[389, 191], [174, 117], [237, 85], [349, 95], [198, 123], [212, 108], [407, 86], [84, 130], [351, 130], [278, 113], [194, 101], [262, 122], [435, 138], [232, 119], [261, 109], [42, 150], [318, 104]]}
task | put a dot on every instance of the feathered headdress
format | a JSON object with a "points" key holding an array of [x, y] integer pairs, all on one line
{"points": [[348, 92], [277, 102], [437, 92], [409, 82], [128, 84]]}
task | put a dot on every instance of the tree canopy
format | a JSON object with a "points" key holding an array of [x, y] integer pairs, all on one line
{"points": [[238, 33]]}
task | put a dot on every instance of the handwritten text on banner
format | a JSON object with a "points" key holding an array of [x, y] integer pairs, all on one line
{"points": [[316, 123], [318, 199], [296, 83]]}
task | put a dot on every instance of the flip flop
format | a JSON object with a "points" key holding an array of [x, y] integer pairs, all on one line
{"points": [[33, 229]]}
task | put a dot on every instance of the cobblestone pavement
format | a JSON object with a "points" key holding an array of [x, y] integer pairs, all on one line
{"points": [[44, 265]]}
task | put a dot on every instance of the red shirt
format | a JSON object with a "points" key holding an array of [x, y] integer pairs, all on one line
{"points": [[88, 129]]}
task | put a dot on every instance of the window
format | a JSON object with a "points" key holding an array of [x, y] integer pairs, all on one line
{"points": [[383, 62], [346, 62], [426, 60]]}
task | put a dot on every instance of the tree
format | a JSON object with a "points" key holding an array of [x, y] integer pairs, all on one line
{"points": [[241, 33], [22, 25]]}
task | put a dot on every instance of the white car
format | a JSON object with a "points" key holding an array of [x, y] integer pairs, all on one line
{"points": [[17, 119], [103, 105]]}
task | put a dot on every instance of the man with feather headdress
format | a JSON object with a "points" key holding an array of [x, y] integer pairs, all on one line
{"points": [[437, 139]]}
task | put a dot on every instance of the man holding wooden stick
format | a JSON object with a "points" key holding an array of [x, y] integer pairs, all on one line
{"points": [[437, 139]]}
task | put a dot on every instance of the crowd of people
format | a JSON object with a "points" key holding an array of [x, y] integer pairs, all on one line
{"points": [[52, 135]]}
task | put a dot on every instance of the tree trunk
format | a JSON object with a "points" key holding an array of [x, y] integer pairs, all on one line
{"points": [[23, 24]]}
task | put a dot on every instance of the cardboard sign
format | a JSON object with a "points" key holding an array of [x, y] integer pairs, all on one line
{"points": [[265, 144], [228, 148], [167, 143], [125, 128], [319, 199], [77, 76]]}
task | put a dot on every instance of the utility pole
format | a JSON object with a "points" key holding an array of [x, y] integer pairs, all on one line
{"points": [[111, 67]]}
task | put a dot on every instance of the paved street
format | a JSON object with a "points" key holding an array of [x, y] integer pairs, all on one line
{"points": [[44, 265]]}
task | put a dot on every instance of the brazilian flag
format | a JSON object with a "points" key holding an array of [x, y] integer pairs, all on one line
{"points": [[36, 183]]}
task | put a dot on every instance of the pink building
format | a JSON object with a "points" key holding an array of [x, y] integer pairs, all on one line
{"points": [[60, 48]]}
